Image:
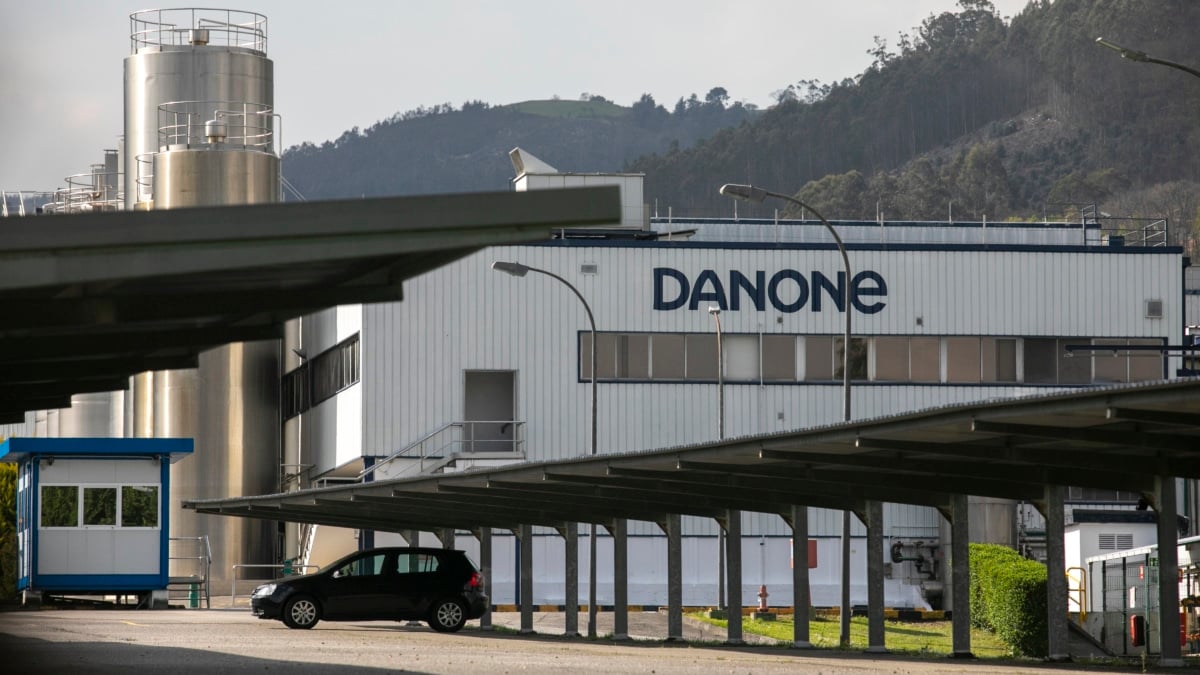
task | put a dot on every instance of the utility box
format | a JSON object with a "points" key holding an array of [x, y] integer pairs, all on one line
{"points": [[91, 516]]}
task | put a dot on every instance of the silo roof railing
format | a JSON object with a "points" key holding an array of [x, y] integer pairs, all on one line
{"points": [[198, 26]]}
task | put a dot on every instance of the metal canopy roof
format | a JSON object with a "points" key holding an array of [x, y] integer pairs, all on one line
{"points": [[90, 299], [1118, 438]]}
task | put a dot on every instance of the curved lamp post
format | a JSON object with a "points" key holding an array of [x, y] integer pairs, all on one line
{"points": [[754, 194], [1135, 55], [516, 269]]}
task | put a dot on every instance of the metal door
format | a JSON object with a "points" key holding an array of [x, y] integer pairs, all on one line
{"points": [[490, 411]]}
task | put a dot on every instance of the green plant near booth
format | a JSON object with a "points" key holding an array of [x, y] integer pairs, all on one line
{"points": [[8, 531], [1008, 596]]}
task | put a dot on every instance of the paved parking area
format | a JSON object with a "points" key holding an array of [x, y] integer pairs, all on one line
{"points": [[232, 641]]}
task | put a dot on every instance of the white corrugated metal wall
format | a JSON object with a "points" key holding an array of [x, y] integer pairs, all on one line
{"points": [[466, 316]]}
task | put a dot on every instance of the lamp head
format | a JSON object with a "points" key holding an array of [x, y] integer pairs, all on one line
{"points": [[1126, 53], [746, 192], [714, 310], [514, 268]]}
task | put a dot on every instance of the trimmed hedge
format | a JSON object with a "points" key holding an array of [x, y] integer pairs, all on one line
{"points": [[1008, 597]]}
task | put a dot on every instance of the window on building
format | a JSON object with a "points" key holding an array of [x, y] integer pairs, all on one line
{"points": [[139, 506], [1110, 365], [701, 355], [1145, 365], [321, 378], [818, 358], [1041, 361], [741, 357], [1074, 367], [99, 506], [666, 356], [858, 358], [891, 359], [60, 506], [633, 357], [925, 359], [886, 358], [133, 506], [779, 358], [998, 359], [962, 359]]}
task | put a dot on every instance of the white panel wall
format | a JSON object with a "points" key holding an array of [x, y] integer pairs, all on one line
{"points": [[466, 316]]}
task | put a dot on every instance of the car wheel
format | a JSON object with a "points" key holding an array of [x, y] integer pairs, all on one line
{"points": [[448, 615], [301, 612]]}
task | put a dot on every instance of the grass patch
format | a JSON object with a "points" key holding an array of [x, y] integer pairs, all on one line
{"points": [[924, 637]]}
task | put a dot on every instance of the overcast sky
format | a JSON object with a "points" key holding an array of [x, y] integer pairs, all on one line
{"points": [[355, 62]]}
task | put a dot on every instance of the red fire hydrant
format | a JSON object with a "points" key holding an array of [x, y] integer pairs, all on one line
{"points": [[762, 598]]}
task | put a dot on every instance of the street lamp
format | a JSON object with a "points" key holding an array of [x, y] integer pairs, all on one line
{"points": [[516, 269], [716, 315], [1135, 55], [754, 194]]}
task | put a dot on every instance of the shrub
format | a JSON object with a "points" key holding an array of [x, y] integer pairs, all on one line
{"points": [[1008, 597]]}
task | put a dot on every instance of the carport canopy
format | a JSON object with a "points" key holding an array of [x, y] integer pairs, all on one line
{"points": [[1123, 438], [91, 299]]}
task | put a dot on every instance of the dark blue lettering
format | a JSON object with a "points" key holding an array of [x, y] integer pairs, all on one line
{"points": [[662, 304], [756, 291], [717, 294], [860, 288], [820, 282], [801, 295]]}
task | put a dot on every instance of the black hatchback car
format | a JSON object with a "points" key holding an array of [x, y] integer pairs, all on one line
{"points": [[440, 586]]}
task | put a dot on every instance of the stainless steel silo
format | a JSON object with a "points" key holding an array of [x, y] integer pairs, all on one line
{"points": [[187, 55], [199, 131]]}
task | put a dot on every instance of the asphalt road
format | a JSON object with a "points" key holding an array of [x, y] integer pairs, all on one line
{"points": [[231, 641]]}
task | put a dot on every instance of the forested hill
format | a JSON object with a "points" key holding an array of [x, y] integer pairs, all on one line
{"points": [[990, 119], [448, 149], [968, 115]]}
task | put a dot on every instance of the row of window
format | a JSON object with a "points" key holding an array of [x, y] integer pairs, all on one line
{"points": [[125, 506], [320, 378], [773, 358]]}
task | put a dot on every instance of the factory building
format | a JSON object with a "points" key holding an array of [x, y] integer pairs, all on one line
{"points": [[477, 368]]}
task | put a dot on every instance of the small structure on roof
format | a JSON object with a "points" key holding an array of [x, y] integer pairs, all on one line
{"points": [[90, 515]]}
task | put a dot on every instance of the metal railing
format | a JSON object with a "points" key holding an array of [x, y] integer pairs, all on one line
{"points": [[232, 123], [461, 438], [1077, 592], [198, 26], [233, 577], [194, 580]]}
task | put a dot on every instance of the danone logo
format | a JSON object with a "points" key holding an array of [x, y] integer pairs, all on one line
{"points": [[787, 291]]}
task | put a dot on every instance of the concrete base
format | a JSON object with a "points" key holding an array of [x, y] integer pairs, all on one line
{"points": [[158, 600], [876, 650], [31, 598], [763, 616], [961, 655], [802, 645], [717, 614]]}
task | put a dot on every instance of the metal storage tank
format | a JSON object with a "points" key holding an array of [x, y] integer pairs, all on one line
{"points": [[199, 131], [187, 55]]}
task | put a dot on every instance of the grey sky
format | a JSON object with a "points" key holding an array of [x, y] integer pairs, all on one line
{"points": [[355, 62]]}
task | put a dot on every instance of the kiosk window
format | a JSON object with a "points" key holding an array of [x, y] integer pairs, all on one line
{"points": [[60, 506]]}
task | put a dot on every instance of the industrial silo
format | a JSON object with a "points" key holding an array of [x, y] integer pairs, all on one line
{"points": [[200, 131]]}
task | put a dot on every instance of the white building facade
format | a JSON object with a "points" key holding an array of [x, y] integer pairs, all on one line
{"points": [[478, 368]]}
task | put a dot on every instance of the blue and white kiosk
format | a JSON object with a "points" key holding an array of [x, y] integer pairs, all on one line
{"points": [[90, 515]]}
